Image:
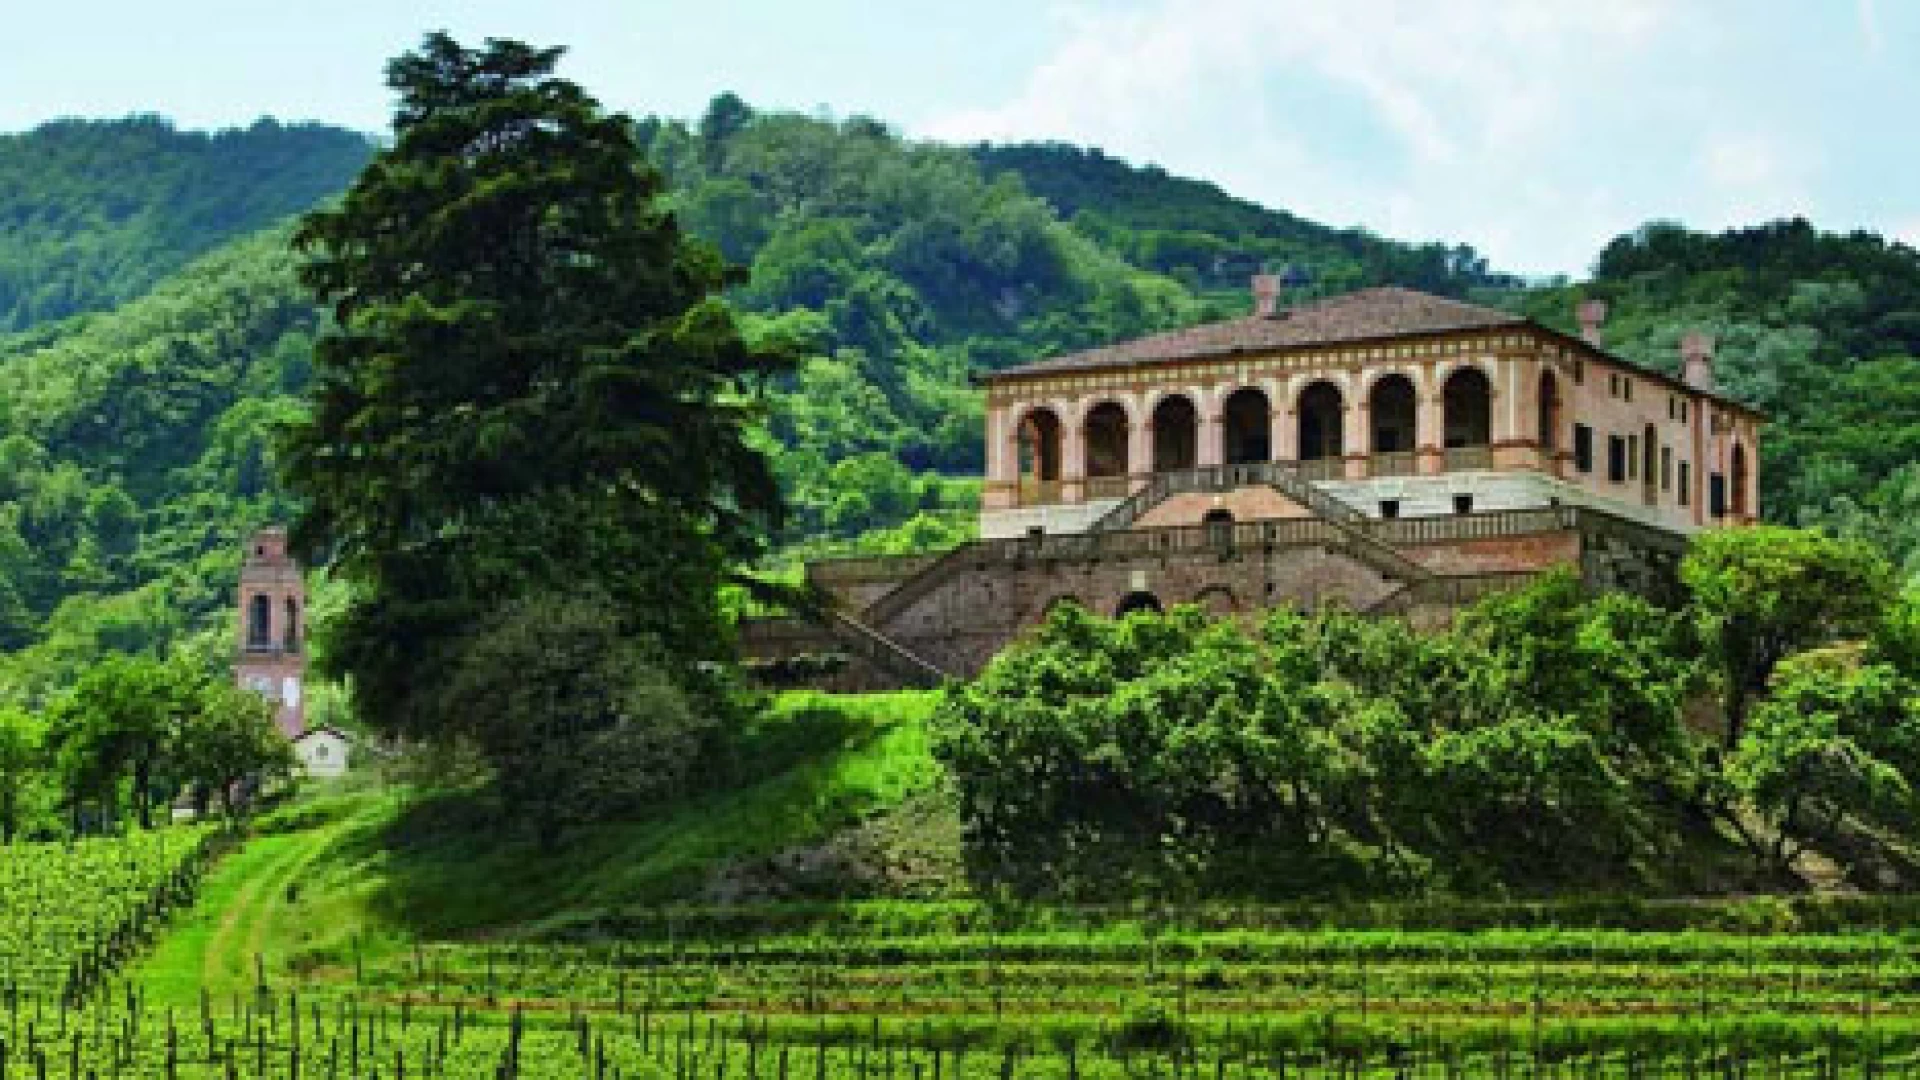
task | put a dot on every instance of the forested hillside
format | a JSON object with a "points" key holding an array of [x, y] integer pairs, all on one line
{"points": [[1820, 330], [134, 441], [93, 213], [1209, 240]]}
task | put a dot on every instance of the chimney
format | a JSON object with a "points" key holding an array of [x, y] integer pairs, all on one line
{"points": [[1696, 355], [1592, 314], [1266, 295]]}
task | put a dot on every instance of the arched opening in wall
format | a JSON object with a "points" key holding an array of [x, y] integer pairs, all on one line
{"points": [[1321, 421], [1390, 409], [1039, 457], [1650, 465], [1739, 470], [1216, 600], [1549, 418], [1467, 400], [1137, 601], [259, 623], [292, 631], [1176, 434], [1249, 427], [1219, 515], [1106, 436]]}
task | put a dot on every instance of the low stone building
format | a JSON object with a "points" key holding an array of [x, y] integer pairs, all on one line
{"points": [[1385, 450]]}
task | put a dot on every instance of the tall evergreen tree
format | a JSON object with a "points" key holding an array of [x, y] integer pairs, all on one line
{"points": [[535, 382]]}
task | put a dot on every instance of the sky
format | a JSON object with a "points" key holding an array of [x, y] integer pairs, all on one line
{"points": [[1535, 130]]}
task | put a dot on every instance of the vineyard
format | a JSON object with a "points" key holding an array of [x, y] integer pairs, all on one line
{"points": [[957, 991]]}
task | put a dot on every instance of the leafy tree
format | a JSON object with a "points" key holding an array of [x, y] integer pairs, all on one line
{"points": [[22, 746], [118, 726], [1834, 739], [1760, 594], [229, 745], [576, 718], [534, 383]]}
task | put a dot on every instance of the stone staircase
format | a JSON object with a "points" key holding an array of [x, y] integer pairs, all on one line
{"points": [[1286, 478], [876, 648]]}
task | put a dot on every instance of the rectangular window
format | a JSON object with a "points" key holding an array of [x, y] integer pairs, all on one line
{"points": [[1583, 448], [1633, 457], [1389, 508], [1717, 494], [1579, 372], [1686, 484], [1463, 504], [1626, 388], [1666, 468], [1616, 459]]}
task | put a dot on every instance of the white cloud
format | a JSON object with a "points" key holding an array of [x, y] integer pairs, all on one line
{"points": [[1908, 231], [1483, 105], [1754, 175], [1875, 38]]}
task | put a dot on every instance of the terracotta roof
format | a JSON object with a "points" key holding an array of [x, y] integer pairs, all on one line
{"points": [[1358, 316]]}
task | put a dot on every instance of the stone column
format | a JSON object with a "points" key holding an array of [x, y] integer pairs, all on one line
{"points": [[1139, 444], [1002, 460], [1429, 425], [1073, 452], [1212, 433], [1353, 430]]}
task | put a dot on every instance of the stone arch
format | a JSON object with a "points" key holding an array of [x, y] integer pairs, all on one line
{"points": [[1138, 600], [1392, 414], [1037, 453], [1176, 433], [1550, 412], [1466, 402], [1739, 479], [1216, 600], [1106, 433], [1322, 410], [1246, 418]]}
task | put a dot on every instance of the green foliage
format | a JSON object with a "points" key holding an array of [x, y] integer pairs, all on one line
{"points": [[93, 214], [1211, 241], [1761, 594], [1835, 740], [1163, 753], [535, 383], [578, 722]]}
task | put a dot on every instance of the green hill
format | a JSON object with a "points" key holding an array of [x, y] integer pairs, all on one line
{"points": [[1208, 239], [93, 213], [134, 441]]}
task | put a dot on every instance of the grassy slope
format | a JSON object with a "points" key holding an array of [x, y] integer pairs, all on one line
{"points": [[368, 871]]}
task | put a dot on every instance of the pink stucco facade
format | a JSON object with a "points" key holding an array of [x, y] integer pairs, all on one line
{"points": [[1403, 424]]}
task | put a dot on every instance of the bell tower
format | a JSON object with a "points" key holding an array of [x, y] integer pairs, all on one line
{"points": [[270, 655]]}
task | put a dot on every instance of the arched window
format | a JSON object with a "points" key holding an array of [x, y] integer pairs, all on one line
{"points": [[292, 629], [1137, 601], [1249, 427], [1106, 436], [1039, 457], [1549, 420], [1321, 422], [1467, 400], [1740, 507], [259, 622], [1176, 438], [1390, 407]]}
